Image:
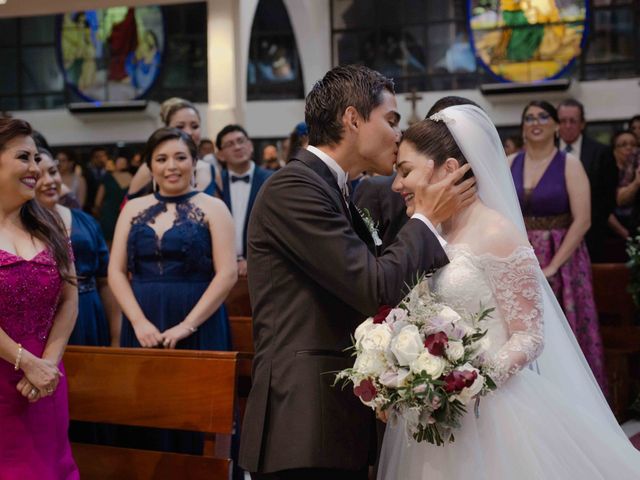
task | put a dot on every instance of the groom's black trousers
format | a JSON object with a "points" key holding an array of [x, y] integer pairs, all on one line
{"points": [[313, 474]]}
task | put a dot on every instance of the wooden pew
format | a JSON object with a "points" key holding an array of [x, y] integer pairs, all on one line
{"points": [[242, 341], [237, 302], [178, 389], [241, 334], [620, 337], [614, 302]]}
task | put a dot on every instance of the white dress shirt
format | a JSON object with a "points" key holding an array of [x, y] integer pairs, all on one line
{"points": [[342, 178], [576, 147], [339, 174], [239, 193]]}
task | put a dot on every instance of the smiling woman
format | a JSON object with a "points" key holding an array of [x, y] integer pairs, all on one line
{"points": [[39, 305], [172, 265]]}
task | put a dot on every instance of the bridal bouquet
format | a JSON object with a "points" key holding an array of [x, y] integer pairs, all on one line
{"points": [[423, 362]]}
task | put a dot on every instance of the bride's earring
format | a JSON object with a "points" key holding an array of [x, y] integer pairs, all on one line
{"points": [[153, 183]]}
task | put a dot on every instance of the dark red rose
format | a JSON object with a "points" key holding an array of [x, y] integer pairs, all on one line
{"points": [[383, 311], [459, 379], [436, 343], [366, 390]]}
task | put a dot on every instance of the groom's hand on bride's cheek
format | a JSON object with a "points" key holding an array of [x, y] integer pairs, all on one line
{"points": [[440, 200]]}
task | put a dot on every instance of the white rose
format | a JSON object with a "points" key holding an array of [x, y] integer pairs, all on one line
{"points": [[455, 350], [467, 393], [434, 366], [449, 315], [362, 329], [407, 345], [370, 363], [377, 338]]}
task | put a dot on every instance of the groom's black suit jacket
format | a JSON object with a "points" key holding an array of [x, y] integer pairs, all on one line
{"points": [[312, 279]]}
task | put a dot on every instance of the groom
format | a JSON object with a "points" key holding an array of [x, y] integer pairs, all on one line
{"points": [[313, 277]]}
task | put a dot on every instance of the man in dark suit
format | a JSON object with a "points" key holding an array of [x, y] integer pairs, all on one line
{"points": [[313, 277], [241, 182], [601, 169]]}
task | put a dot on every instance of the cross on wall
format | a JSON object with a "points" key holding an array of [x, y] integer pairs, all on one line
{"points": [[414, 98]]}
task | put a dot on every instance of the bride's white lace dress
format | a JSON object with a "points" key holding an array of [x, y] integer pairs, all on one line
{"points": [[526, 429]]}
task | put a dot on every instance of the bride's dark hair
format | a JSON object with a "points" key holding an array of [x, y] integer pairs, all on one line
{"points": [[434, 140]]}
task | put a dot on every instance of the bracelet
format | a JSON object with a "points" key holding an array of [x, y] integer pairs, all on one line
{"points": [[16, 366], [191, 329]]}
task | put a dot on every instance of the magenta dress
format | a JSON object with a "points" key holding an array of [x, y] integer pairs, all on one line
{"points": [[33, 436], [547, 216]]}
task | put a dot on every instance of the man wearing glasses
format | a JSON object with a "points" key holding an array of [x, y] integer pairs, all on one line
{"points": [[241, 182], [600, 166]]}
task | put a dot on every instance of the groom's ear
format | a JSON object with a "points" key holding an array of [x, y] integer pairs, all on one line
{"points": [[351, 118]]}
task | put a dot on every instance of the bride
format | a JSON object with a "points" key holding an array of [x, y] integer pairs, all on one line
{"points": [[548, 418]]}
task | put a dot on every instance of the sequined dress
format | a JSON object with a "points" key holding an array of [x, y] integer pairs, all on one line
{"points": [[33, 438]]}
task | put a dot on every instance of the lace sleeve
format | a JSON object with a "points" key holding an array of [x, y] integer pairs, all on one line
{"points": [[516, 286]]}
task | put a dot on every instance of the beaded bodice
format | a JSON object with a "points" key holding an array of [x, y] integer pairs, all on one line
{"points": [[29, 295], [183, 252]]}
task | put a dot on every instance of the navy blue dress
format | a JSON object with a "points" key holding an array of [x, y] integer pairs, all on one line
{"points": [[91, 328], [170, 274], [91, 261]]}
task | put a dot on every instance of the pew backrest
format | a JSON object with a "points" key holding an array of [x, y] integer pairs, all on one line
{"points": [[177, 389], [613, 301]]}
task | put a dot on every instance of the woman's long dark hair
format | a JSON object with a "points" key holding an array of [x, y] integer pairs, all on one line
{"points": [[38, 221]]}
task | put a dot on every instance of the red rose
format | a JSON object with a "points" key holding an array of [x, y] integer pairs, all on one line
{"points": [[383, 311], [366, 390], [459, 379], [436, 343]]}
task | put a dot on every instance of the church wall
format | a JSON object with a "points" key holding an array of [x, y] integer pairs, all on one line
{"points": [[604, 100]]}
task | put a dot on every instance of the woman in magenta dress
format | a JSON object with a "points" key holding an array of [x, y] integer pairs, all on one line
{"points": [[39, 305], [553, 190]]}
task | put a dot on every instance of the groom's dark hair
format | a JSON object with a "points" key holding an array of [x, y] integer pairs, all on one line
{"points": [[342, 87]]}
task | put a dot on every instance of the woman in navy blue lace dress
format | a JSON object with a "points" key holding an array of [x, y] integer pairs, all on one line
{"points": [[172, 265], [177, 246]]}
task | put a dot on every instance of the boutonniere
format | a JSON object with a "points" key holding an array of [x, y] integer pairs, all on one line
{"points": [[371, 224]]}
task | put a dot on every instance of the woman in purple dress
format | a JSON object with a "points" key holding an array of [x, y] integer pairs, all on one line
{"points": [[553, 190], [39, 305]]}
